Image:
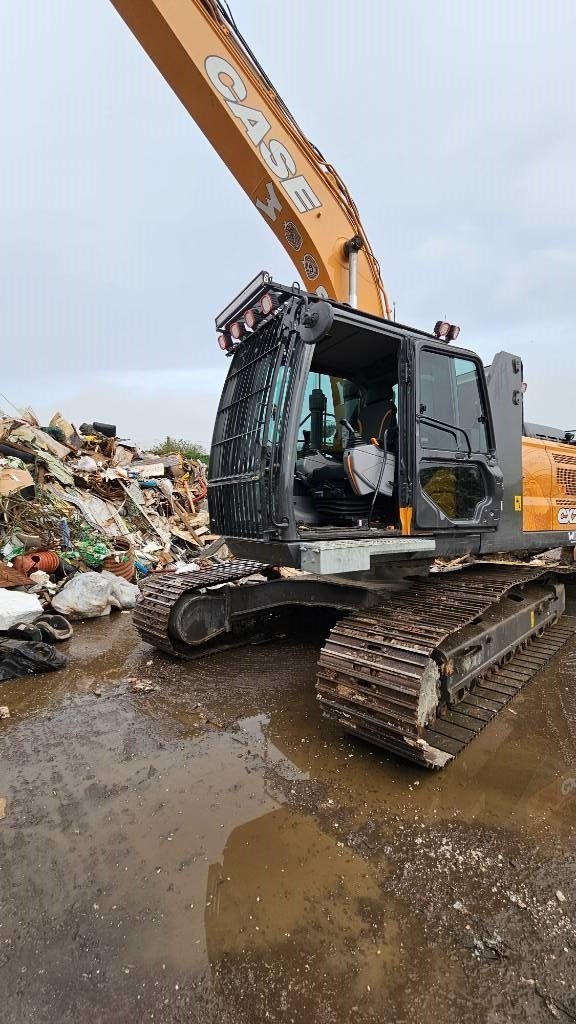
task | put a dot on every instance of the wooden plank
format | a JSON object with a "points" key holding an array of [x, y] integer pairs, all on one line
{"points": [[190, 498], [185, 518]]}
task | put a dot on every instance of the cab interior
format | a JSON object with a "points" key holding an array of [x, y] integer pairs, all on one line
{"points": [[345, 474]]}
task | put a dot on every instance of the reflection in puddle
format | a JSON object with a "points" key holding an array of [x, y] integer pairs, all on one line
{"points": [[224, 787], [284, 885], [299, 874]]}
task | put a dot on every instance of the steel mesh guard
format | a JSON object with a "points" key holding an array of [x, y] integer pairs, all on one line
{"points": [[248, 434]]}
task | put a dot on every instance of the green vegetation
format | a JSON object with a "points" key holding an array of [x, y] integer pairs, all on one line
{"points": [[187, 449]]}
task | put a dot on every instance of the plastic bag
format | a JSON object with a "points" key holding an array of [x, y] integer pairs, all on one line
{"points": [[124, 593], [26, 658], [17, 607], [85, 596], [92, 594], [86, 464], [12, 548]]}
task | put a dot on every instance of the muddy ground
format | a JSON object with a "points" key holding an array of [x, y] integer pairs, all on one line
{"points": [[215, 852]]}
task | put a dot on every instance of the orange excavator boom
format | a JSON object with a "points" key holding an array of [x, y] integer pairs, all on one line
{"points": [[197, 47]]}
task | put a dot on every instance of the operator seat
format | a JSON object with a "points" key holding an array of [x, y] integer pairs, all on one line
{"points": [[351, 398], [316, 469], [371, 464], [378, 413]]}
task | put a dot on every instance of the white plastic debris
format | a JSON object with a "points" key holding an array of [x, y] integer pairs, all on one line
{"points": [[85, 596], [125, 594], [42, 582], [39, 576], [146, 470], [18, 607], [86, 464], [166, 486], [182, 566], [92, 594]]}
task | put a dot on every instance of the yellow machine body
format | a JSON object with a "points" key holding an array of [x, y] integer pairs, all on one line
{"points": [[549, 486]]}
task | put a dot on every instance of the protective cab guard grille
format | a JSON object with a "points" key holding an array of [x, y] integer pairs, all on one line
{"points": [[245, 490]]}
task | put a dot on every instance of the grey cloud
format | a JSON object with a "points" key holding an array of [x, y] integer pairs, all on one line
{"points": [[122, 233]]}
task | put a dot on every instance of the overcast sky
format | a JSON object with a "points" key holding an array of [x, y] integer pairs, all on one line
{"points": [[453, 123]]}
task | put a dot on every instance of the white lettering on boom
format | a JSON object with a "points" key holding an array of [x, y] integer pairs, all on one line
{"points": [[229, 84]]}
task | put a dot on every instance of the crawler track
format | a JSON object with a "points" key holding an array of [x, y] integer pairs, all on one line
{"points": [[161, 593], [374, 670], [378, 674]]}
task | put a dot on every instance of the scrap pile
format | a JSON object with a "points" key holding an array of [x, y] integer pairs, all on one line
{"points": [[83, 516], [95, 500]]}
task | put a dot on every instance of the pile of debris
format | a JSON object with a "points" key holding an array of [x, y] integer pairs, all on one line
{"points": [[95, 501], [83, 516]]}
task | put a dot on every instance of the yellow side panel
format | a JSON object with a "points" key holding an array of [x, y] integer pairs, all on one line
{"points": [[549, 486], [537, 485]]}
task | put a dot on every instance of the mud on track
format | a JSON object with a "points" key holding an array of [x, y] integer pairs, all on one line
{"points": [[215, 851]]}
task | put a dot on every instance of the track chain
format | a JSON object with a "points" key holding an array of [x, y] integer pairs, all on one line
{"points": [[372, 672], [161, 592]]}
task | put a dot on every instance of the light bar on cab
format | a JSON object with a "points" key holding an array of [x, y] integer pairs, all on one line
{"points": [[445, 331], [247, 297], [236, 330], [269, 302]]}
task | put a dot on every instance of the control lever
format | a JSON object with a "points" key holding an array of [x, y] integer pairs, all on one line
{"points": [[354, 437]]}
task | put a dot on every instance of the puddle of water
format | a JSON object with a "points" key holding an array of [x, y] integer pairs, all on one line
{"points": [[282, 882], [301, 874], [520, 773]]}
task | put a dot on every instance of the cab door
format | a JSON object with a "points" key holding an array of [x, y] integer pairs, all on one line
{"points": [[458, 482]]}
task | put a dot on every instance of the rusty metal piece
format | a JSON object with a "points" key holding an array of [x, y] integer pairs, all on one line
{"points": [[13, 577], [121, 561]]}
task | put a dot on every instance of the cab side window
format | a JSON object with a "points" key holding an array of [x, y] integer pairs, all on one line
{"points": [[451, 408]]}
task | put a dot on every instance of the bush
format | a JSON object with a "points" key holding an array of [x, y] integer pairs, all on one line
{"points": [[187, 449]]}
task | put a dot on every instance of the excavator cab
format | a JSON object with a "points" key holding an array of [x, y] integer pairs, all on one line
{"points": [[337, 426]]}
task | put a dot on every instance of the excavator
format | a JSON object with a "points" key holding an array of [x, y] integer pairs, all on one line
{"points": [[365, 473]]}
